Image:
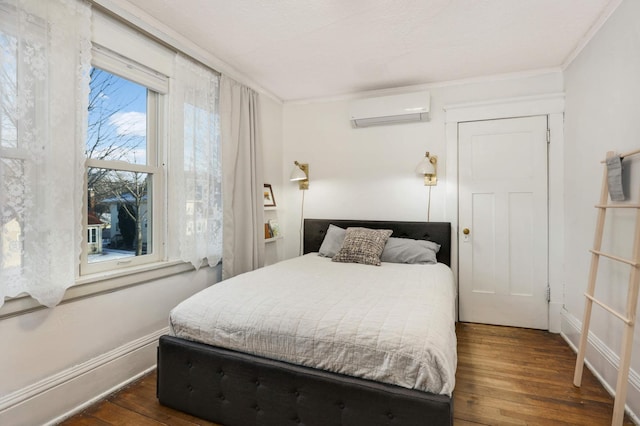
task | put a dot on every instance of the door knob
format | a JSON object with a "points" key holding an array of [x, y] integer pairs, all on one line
{"points": [[466, 231]]}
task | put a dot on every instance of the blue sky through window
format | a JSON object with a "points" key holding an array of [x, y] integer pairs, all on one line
{"points": [[117, 124]]}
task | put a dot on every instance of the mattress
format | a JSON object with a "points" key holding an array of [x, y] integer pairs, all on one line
{"points": [[393, 324]]}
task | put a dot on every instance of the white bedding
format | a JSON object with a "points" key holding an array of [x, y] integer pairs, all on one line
{"points": [[393, 323]]}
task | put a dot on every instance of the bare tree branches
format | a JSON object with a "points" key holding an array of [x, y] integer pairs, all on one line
{"points": [[106, 100], [109, 138]]}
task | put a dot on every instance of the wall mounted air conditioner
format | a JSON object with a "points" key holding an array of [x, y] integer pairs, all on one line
{"points": [[393, 109]]}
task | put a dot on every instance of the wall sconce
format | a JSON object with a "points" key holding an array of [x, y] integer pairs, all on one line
{"points": [[428, 168], [300, 173]]}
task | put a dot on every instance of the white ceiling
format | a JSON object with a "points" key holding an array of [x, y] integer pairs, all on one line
{"points": [[300, 49]]}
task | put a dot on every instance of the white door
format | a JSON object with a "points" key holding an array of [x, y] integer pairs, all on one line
{"points": [[503, 222]]}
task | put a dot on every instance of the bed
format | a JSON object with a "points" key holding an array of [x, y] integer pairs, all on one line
{"points": [[208, 373]]}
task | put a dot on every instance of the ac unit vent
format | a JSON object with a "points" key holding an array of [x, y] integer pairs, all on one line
{"points": [[393, 109]]}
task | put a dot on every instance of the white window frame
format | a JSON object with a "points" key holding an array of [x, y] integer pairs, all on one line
{"points": [[18, 152], [157, 89], [111, 34], [92, 235]]}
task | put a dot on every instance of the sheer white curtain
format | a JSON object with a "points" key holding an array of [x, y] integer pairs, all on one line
{"points": [[44, 69], [196, 169], [243, 182]]}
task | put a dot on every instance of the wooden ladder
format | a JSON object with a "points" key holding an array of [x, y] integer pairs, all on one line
{"points": [[629, 317]]}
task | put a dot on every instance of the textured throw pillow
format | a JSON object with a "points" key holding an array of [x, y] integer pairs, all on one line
{"points": [[332, 241], [405, 250], [362, 245]]}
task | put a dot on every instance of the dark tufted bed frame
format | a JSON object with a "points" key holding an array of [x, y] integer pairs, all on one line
{"points": [[237, 389]]}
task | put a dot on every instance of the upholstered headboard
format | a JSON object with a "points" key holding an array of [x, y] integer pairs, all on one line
{"points": [[438, 232]]}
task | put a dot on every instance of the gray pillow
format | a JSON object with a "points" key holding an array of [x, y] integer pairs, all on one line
{"points": [[332, 241], [362, 245], [405, 250]]}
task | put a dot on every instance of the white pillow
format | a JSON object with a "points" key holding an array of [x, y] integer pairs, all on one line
{"points": [[332, 241], [405, 250]]}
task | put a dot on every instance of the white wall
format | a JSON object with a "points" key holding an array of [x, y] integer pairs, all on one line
{"points": [[53, 360], [602, 104], [271, 127], [369, 173]]}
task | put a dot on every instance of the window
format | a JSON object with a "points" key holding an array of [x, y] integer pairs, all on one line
{"points": [[108, 190], [44, 57], [92, 236], [11, 156], [124, 174]]}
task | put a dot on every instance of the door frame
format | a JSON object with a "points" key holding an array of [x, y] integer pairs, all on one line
{"points": [[552, 106]]}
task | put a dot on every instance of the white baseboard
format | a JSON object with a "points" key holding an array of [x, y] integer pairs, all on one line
{"points": [[58, 397], [603, 363]]}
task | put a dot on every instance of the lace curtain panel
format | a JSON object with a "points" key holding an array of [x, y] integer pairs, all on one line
{"points": [[196, 164], [44, 68]]}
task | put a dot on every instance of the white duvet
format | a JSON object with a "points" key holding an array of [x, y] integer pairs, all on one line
{"points": [[392, 323]]}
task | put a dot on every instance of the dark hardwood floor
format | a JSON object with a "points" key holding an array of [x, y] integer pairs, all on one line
{"points": [[514, 376], [505, 376]]}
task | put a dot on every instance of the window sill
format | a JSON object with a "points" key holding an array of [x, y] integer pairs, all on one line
{"points": [[95, 284]]}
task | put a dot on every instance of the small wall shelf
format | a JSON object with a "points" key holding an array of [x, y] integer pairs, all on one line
{"points": [[270, 240]]}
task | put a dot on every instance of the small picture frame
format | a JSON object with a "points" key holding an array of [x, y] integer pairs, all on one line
{"points": [[275, 227], [269, 200]]}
